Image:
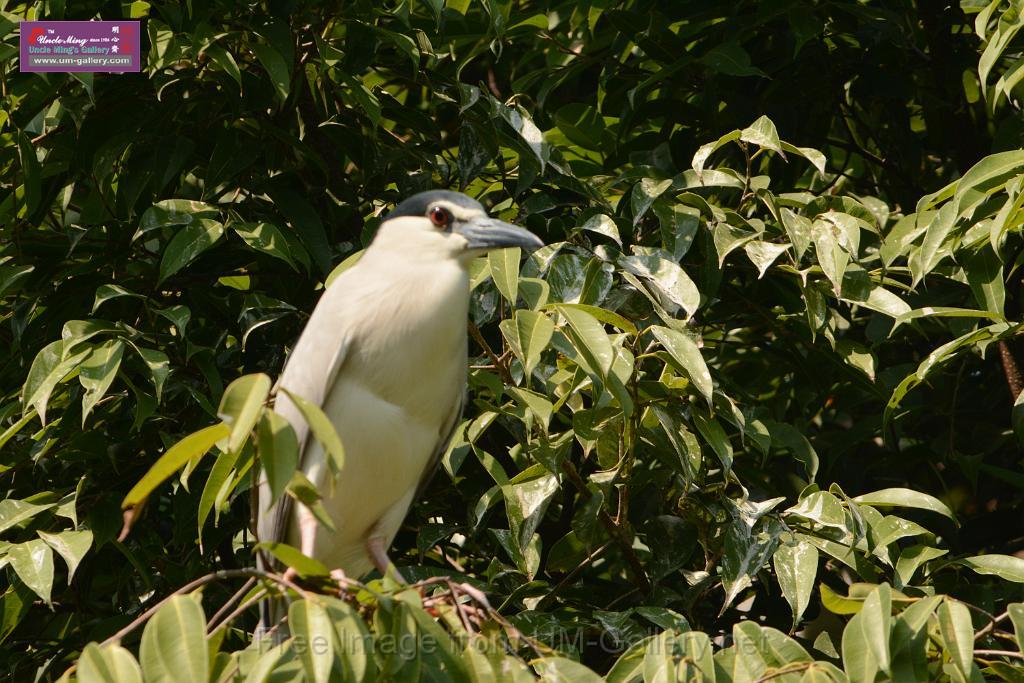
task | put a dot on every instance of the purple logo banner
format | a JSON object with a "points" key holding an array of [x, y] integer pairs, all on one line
{"points": [[107, 46]]}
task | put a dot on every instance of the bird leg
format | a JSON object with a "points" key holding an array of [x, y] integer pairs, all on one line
{"points": [[307, 537], [376, 546]]}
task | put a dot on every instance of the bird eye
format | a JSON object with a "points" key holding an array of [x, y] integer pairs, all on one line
{"points": [[439, 217]]}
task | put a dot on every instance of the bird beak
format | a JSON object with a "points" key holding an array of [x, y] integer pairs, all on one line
{"points": [[484, 233]]}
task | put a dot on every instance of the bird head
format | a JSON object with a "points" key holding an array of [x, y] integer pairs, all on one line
{"points": [[446, 224]]}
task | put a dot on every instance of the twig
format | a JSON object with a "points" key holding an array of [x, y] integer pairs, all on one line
{"points": [[614, 530], [1014, 382], [782, 672], [999, 653], [570, 577], [231, 617], [234, 598], [502, 368], [202, 581], [991, 625]]}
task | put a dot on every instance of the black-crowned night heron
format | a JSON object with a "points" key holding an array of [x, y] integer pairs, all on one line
{"points": [[384, 355]]}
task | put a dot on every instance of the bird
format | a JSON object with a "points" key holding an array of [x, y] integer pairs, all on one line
{"points": [[384, 355]]}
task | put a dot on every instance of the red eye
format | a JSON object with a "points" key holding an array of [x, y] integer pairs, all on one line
{"points": [[439, 216]]}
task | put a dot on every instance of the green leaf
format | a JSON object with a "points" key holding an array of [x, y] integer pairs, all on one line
{"points": [[105, 293], [1004, 566], [832, 258], [789, 437], [821, 507], [602, 224], [226, 61], [170, 212], [526, 499], [188, 244], [32, 561], [364, 97], [13, 512], [293, 557], [732, 60], [912, 558], [70, 545], [505, 272], [301, 489], [322, 429], [49, 368], [31, 173], [276, 67], [108, 664], [685, 352], [839, 604], [644, 193], [673, 286], [943, 312], [266, 238], [13, 430], [97, 372], [278, 448], [602, 314], [812, 155], [796, 567], [352, 640], [700, 157], [763, 134], [241, 406], [858, 660], [220, 476], [307, 620], [985, 276], [306, 222], [763, 254], [174, 646], [581, 123], [858, 356], [528, 333], [876, 622], [900, 497], [159, 367], [194, 445], [1016, 612], [957, 634], [590, 339], [932, 250], [716, 437], [563, 670]]}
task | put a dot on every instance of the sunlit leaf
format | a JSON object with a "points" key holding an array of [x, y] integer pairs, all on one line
{"points": [[174, 645]]}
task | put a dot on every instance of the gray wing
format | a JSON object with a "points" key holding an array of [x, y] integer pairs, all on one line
{"points": [[310, 372], [447, 433]]}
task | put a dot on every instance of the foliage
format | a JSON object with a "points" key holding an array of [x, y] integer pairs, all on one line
{"points": [[742, 419]]}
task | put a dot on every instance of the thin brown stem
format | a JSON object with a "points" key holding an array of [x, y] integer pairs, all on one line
{"points": [[614, 530], [234, 598], [998, 653], [202, 581], [985, 630], [506, 376], [241, 609], [784, 671]]}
